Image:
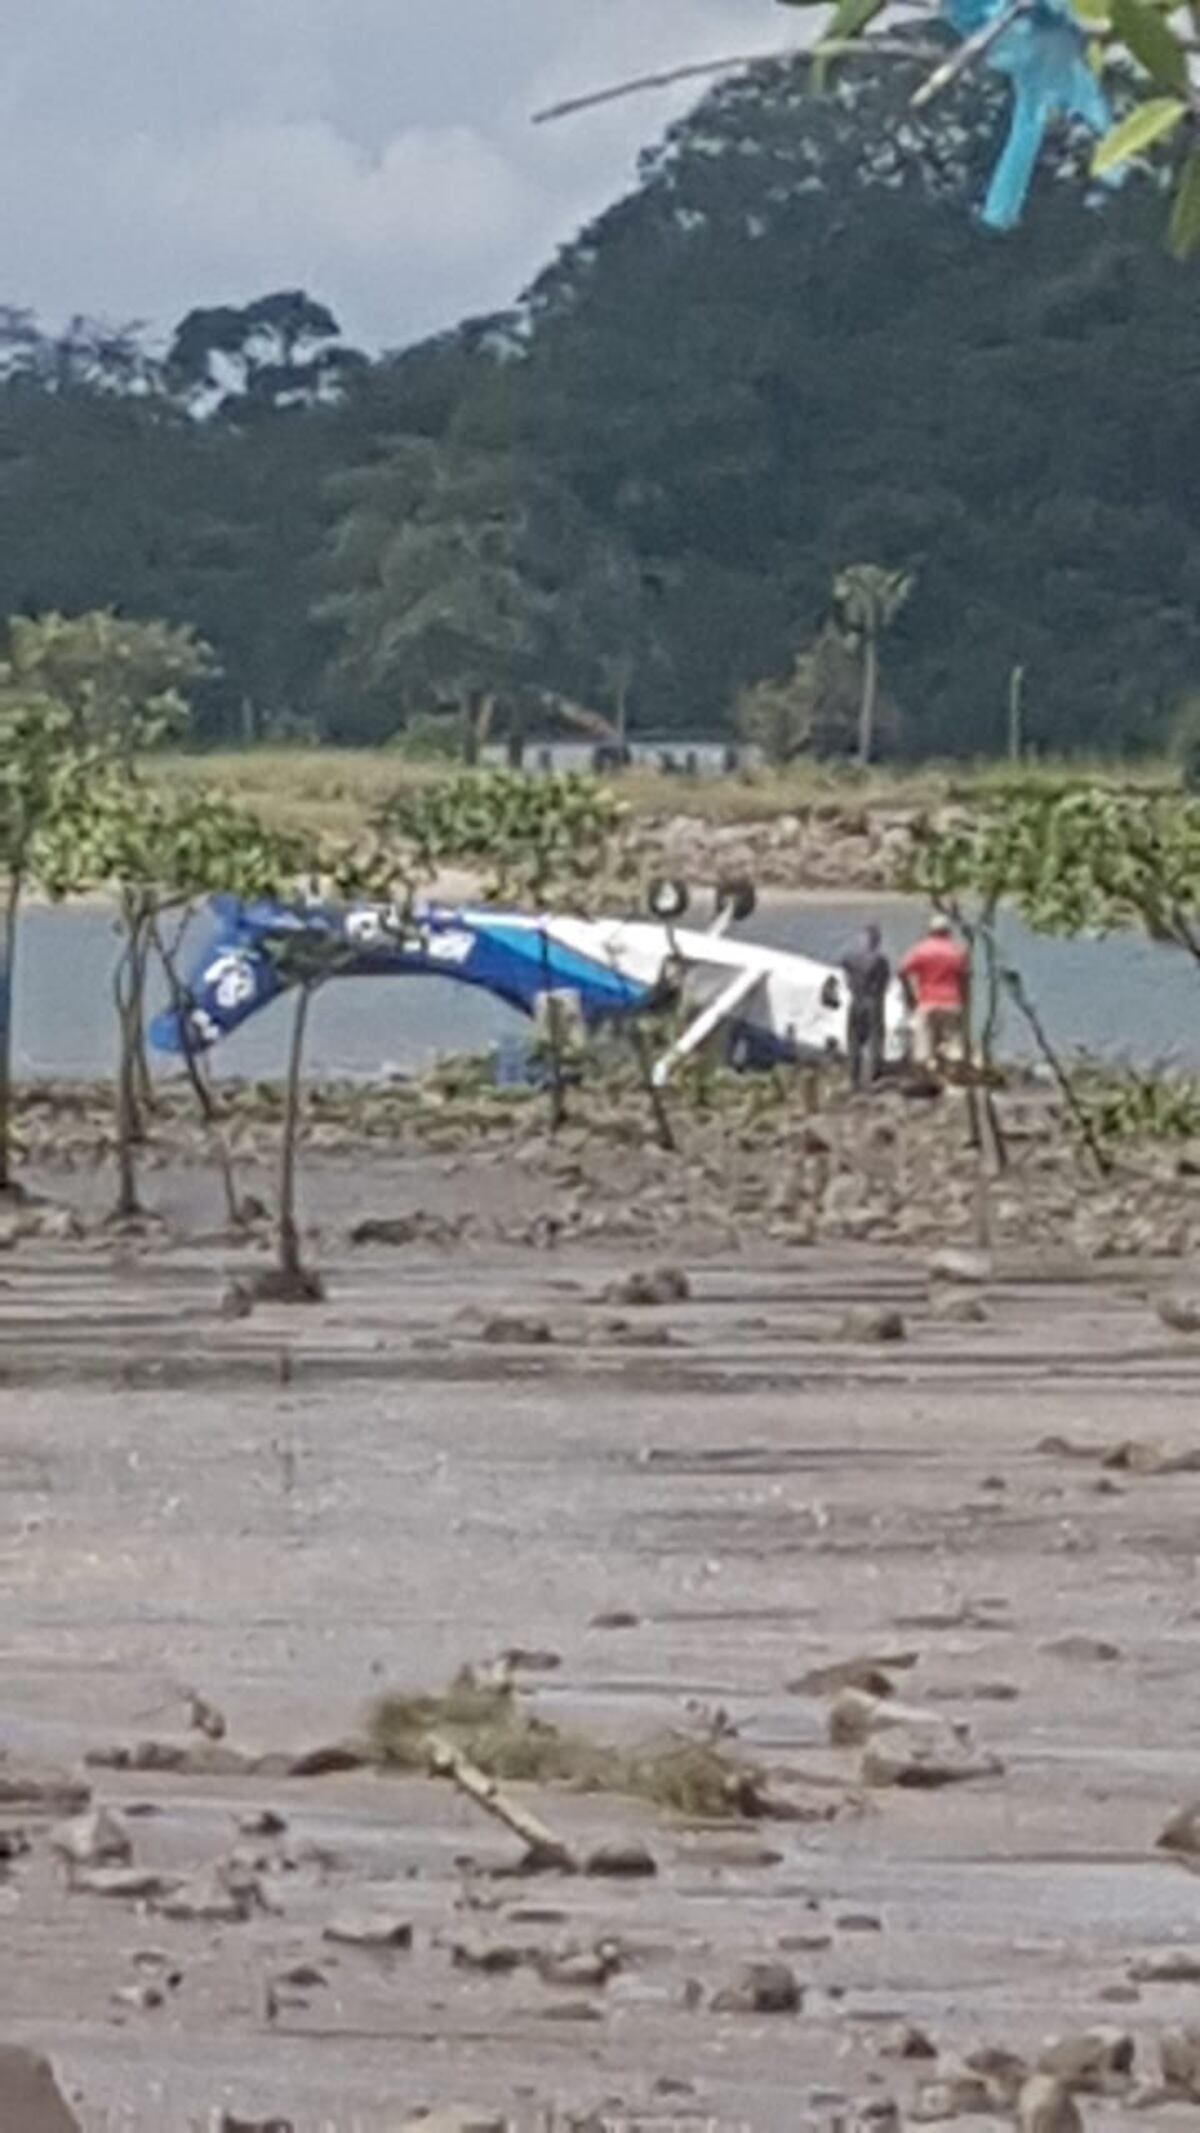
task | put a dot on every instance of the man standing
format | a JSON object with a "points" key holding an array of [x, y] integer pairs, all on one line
{"points": [[936, 975], [868, 975]]}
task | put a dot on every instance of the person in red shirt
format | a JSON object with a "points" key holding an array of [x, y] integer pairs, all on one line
{"points": [[936, 975]]}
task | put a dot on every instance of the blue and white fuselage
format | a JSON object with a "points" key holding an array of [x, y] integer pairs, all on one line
{"points": [[759, 1005]]}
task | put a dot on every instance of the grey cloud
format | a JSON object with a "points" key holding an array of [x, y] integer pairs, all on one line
{"points": [[155, 154]]}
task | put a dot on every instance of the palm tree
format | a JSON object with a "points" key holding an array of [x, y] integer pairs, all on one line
{"points": [[870, 599]]}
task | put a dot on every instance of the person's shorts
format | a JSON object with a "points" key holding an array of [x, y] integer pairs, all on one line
{"points": [[938, 1034]]}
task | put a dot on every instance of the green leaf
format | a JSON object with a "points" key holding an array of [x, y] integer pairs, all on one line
{"points": [[1150, 122], [1184, 233], [1094, 14], [1152, 42]]}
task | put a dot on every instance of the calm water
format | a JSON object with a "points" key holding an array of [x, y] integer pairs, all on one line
{"points": [[1122, 998]]}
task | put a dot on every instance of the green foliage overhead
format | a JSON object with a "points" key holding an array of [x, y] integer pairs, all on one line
{"points": [[1089, 860], [536, 837], [789, 348]]}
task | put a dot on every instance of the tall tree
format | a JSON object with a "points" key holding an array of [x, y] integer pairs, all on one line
{"points": [[869, 600]]}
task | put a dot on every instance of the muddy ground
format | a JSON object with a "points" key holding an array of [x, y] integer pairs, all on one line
{"points": [[688, 1512]]}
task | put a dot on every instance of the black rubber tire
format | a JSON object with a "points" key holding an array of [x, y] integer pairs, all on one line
{"points": [[738, 896], [668, 899]]}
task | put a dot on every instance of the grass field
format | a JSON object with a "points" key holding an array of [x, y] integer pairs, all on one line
{"points": [[334, 790]]}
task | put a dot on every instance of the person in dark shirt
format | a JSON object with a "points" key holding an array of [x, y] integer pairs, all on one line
{"points": [[868, 975]]}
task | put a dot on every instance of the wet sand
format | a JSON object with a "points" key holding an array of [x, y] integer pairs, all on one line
{"points": [[292, 1511]]}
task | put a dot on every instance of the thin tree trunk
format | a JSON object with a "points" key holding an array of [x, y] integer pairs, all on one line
{"points": [[663, 1128], [870, 698], [1016, 714], [209, 1110], [146, 1100], [621, 720], [558, 1088], [289, 1234], [128, 1206], [8, 957]]}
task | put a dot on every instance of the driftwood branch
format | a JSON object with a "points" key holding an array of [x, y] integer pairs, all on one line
{"points": [[544, 1849]]}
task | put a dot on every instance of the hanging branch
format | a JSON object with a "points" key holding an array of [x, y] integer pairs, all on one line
{"points": [[972, 49], [827, 48]]}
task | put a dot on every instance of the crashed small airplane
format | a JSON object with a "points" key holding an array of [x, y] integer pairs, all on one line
{"points": [[753, 1005]]}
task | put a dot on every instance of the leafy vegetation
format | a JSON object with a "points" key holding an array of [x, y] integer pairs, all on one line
{"points": [[495, 1730], [622, 506]]}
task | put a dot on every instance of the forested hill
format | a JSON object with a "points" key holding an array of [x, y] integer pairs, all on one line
{"points": [[790, 350]]}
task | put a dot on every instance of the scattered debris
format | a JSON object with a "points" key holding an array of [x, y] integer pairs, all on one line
{"points": [[217, 1895]]}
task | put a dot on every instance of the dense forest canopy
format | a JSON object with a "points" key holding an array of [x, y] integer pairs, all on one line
{"points": [[790, 350]]}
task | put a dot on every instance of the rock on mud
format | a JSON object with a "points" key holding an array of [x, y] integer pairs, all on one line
{"points": [[30, 2098], [1098, 2061], [856, 1715], [41, 1788], [1181, 1832], [1169, 1966], [96, 1839], [1047, 2106], [966, 1268], [370, 1929], [921, 1762], [649, 1286], [1180, 1313], [1179, 2059], [761, 1988], [509, 1329], [628, 1860], [868, 1323], [454, 2118]]}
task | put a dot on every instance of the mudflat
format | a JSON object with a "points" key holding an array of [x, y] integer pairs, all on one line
{"points": [[227, 1534]]}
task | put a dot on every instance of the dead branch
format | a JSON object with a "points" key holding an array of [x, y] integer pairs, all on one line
{"points": [[543, 1847]]}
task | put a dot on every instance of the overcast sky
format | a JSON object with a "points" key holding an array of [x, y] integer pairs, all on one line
{"points": [[156, 154]]}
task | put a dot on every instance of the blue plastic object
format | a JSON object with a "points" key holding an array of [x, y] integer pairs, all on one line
{"points": [[1045, 55]]}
